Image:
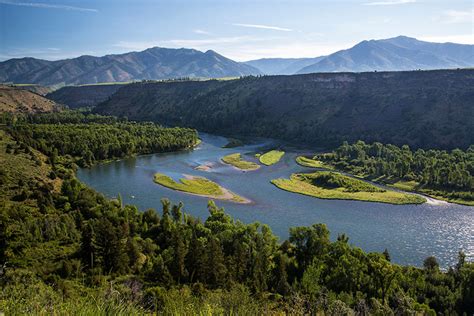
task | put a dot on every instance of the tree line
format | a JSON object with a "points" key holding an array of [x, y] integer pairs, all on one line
{"points": [[436, 169], [90, 142]]}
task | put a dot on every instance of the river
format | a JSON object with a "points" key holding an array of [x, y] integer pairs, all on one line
{"points": [[409, 232]]}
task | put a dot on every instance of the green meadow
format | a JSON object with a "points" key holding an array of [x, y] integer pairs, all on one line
{"points": [[237, 161], [271, 157], [331, 185]]}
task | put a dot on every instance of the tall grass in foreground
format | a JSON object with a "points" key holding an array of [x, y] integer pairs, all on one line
{"points": [[25, 294]]}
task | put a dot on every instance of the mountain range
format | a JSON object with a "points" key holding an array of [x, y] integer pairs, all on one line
{"points": [[393, 54], [152, 63]]}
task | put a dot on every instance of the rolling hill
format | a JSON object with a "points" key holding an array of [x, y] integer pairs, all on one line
{"points": [[17, 100], [152, 63], [428, 109]]}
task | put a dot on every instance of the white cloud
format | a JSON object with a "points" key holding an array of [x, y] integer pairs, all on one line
{"points": [[201, 32], [265, 27], [203, 44], [459, 39], [389, 2], [454, 16], [47, 6]]}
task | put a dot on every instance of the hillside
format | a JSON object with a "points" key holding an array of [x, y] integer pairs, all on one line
{"points": [[41, 90], [83, 96], [18, 100], [398, 53], [153, 63], [431, 109]]}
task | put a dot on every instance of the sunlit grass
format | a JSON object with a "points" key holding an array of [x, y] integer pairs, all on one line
{"points": [[198, 186], [330, 185], [271, 157], [237, 161], [312, 163]]}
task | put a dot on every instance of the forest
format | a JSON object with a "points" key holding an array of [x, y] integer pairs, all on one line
{"points": [[90, 138], [65, 247], [440, 172]]}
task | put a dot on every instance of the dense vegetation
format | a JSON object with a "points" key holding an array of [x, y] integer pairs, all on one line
{"points": [[333, 185], [66, 249], [417, 108], [89, 139], [436, 172]]}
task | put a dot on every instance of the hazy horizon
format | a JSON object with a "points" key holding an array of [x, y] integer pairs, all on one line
{"points": [[240, 30]]}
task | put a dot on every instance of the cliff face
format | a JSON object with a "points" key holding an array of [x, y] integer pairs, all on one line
{"points": [[420, 108]]}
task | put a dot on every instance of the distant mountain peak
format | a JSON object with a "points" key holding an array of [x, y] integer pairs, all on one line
{"points": [[395, 54], [152, 63]]}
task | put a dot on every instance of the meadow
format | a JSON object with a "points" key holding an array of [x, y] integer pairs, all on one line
{"points": [[237, 161], [331, 185]]}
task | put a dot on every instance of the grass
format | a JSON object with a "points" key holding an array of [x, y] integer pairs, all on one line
{"points": [[198, 186], [457, 197], [271, 157], [312, 163], [237, 161], [331, 185]]}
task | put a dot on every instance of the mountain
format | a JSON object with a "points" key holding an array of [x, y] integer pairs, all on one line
{"points": [[282, 66], [394, 54], [17, 100], [427, 109], [153, 63]]}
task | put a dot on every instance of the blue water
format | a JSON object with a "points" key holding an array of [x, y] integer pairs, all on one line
{"points": [[409, 232]]}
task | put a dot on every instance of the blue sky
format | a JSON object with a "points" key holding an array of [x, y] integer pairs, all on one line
{"points": [[242, 30]]}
